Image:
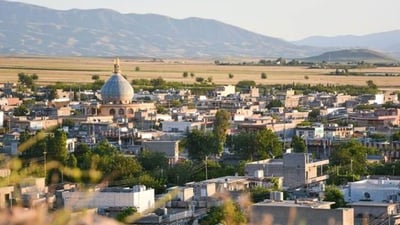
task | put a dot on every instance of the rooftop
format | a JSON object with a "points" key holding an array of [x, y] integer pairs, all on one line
{"points": [[306, 203]]}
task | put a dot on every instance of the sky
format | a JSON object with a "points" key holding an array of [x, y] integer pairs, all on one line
{"points": [[286, 19]]}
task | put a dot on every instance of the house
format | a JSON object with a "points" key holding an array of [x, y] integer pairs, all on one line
{"points": [[315, 131], [373, 190], [169, 148], [224, 91], [139, 197], [301, 211], [297, 169]]}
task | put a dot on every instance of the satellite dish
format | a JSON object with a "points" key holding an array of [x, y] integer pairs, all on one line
{"points": [[367, 195]]}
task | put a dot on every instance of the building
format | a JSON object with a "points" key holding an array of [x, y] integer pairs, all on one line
{"points": [[181, 126], [366, 212], [169, 148], [334, 131], [297, 169], [314, 131], [138, 197], [310, 212], [117, 98], [224, 91], [379, 119], [6, 196], [373, 190]]}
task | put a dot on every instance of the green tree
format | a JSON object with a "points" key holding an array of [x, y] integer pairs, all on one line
{"points": [[21, 110], [95, 77], [152, 161], [215, 215], [192, 75], [275, 103], [200, 144], [229, 213], [259, 194], [57, 147], [185, 74], [230, 76], [158, 83], [372, 85], [245, 84], [333, 194], [396, 136], [314, 115], [263, 75], [35, 77], [267, 144], [52, 93], [351, 157], [209, 79], [137, 68], [72, 161], [200, 79], [26, 79], [66, 122], [298, 144], [221, 126], [125, 213], [243, 144]]}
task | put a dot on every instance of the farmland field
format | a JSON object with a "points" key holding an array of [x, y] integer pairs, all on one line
{"points": [[80, 70]]}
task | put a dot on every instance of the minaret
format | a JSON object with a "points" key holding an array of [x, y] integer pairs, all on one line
{"points": [[116, 66]]}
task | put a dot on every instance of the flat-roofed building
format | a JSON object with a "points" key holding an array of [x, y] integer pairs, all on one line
{"points": [[310, 212], [297, 169]]}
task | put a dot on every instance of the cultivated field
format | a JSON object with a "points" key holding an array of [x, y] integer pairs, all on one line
{"points": [[80, 70]]}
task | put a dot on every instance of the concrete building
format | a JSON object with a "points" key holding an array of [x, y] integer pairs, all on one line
{"points": [[224, 91], [373, 190], [297, 169], [169, 148], [366, 212], [181, 126], [314, 131], [379, 119], [138, 197], [1, 119], [334, 131], [202, 189], [229, 183], [6, 196], [299, 212]]}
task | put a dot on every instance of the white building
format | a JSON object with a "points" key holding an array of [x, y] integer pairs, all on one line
{"points": [[1, 118], [315, 131], [225, 90], [374, 190], [180, 126], [138, 197]]}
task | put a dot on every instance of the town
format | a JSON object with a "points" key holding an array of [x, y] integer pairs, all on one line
{"points": [[244, 153]]}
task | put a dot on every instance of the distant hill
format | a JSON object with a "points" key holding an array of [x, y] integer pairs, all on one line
{"points": [[388, 42], [29, 29], [352, 55]]}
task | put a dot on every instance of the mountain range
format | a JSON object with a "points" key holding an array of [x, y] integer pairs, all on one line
{"points": [[27, 29], [30, 29], [352, 55], [388, 42]]}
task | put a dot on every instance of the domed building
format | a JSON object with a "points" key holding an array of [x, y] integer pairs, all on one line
{"points": [[117, 95]]}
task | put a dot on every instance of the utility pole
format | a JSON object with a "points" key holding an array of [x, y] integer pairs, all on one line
{"points": [[45, 166], [206, 167]]}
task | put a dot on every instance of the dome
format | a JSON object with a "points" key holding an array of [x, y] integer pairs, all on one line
{"points": [[117, 89]]}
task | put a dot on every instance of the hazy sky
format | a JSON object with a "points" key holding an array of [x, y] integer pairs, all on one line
{"points": [[287, 19]]}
